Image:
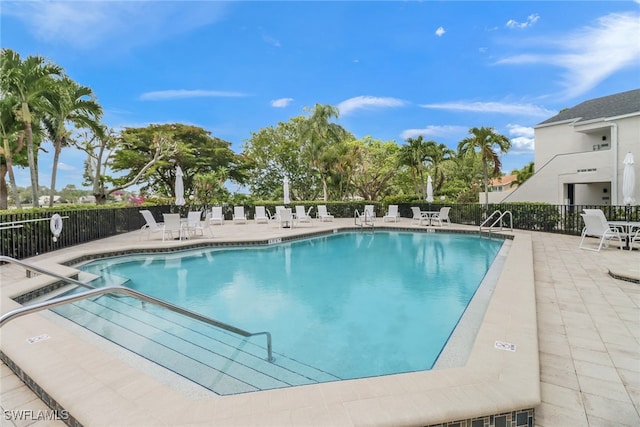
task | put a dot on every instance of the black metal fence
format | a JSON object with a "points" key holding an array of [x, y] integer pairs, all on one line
{"points": [[24, 233]]}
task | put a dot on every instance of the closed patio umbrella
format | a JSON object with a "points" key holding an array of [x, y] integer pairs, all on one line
{"points": [[429, 190], [628, 180], [179, 188]]}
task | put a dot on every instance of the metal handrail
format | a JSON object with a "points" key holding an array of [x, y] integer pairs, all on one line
{"points": [[365, 214], [19, 312], [31, 267], [501, 215]]}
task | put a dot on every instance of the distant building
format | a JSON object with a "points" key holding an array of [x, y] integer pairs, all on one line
{"points": [[499, 188], [44, 200], [579, 153]]}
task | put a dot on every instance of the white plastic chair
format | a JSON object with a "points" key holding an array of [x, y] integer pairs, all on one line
{"points": [[151, 225], [301, 215], [322, 213], [369, 212], [596, 226], [172, 224], [392, 214], [238, 215], [285, 218], [417, 215], [216, 216], [194, 223], [261, 215], [442, 216]]}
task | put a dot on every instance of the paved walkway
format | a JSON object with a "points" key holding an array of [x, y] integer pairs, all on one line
{"points": [[588, 330]]}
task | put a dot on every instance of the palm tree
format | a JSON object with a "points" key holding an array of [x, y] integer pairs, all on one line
{"points": [[12, 143], [69, 103], [316, 135], [413, 155], [28, 81], [523, 174], [437, 154], [484, 140]]}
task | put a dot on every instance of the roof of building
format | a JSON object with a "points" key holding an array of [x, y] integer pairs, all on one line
{"points": [[503, 180], [608, 106]]}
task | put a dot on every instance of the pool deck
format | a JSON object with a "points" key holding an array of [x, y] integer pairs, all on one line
{"points": [[575, 322]]}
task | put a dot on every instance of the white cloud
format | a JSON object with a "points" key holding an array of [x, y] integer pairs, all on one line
{"points": [[87, 24], [440, 31], [272, 41], [162, 95], [435, 131], [368, 102], [591, 54], [281, 103], [522, 141], [531, 19], [493, 107]]}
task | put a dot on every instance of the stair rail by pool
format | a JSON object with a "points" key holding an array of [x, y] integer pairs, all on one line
{"points": [[32, 267], [499, 220], [19, 312]]}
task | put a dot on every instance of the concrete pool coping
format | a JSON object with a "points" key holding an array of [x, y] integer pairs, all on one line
{"points": [[90, 383]]}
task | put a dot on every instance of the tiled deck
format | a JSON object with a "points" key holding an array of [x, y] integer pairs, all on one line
{"points": [[588, 337]]}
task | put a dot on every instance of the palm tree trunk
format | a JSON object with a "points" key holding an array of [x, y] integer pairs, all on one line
{"points": [[54, 170], [32, 165], [486, 186]]}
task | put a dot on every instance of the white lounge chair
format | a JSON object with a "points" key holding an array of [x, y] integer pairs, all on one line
{"points": [[216, 216], [239, 215], [172, 224], [285, 218], [301, 215], [322, 213], [392, 214], [369, 212], [151, 225], [441, 217], [261, 215], [596, 226]]}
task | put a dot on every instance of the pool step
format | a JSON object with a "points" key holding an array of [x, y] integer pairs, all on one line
{"points": [[214, 358]]}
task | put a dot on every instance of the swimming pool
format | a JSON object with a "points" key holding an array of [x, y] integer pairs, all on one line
{"points": [[350, 304]]}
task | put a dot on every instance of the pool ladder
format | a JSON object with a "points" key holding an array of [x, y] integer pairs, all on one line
{"points": [[363, 220], [499, 220], [19, 312]]}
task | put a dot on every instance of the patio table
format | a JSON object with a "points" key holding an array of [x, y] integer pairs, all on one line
{"points": [[627, 229]]}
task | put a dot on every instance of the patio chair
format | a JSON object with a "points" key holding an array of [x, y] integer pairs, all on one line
{"points": [[392, 214], [634, 236], [322, 213], [285, 218], [441, 217], [172, 224], [417, 215], [216, 216], [151, 225], [596, 226], [369, 212], [194, 223], [239, 215], [301, 215], [261, 215]]}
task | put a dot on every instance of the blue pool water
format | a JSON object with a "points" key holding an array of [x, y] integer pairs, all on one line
{"points": [[350, 304]]}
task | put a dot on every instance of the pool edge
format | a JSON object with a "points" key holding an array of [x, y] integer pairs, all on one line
{"points": [[493, 381]]}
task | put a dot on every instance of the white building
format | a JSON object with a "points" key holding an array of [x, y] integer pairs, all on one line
{"points": [[579, 153], [499, 189]]}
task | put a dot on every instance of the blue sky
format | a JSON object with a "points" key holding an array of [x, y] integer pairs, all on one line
{"points": [[395, 69]]}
